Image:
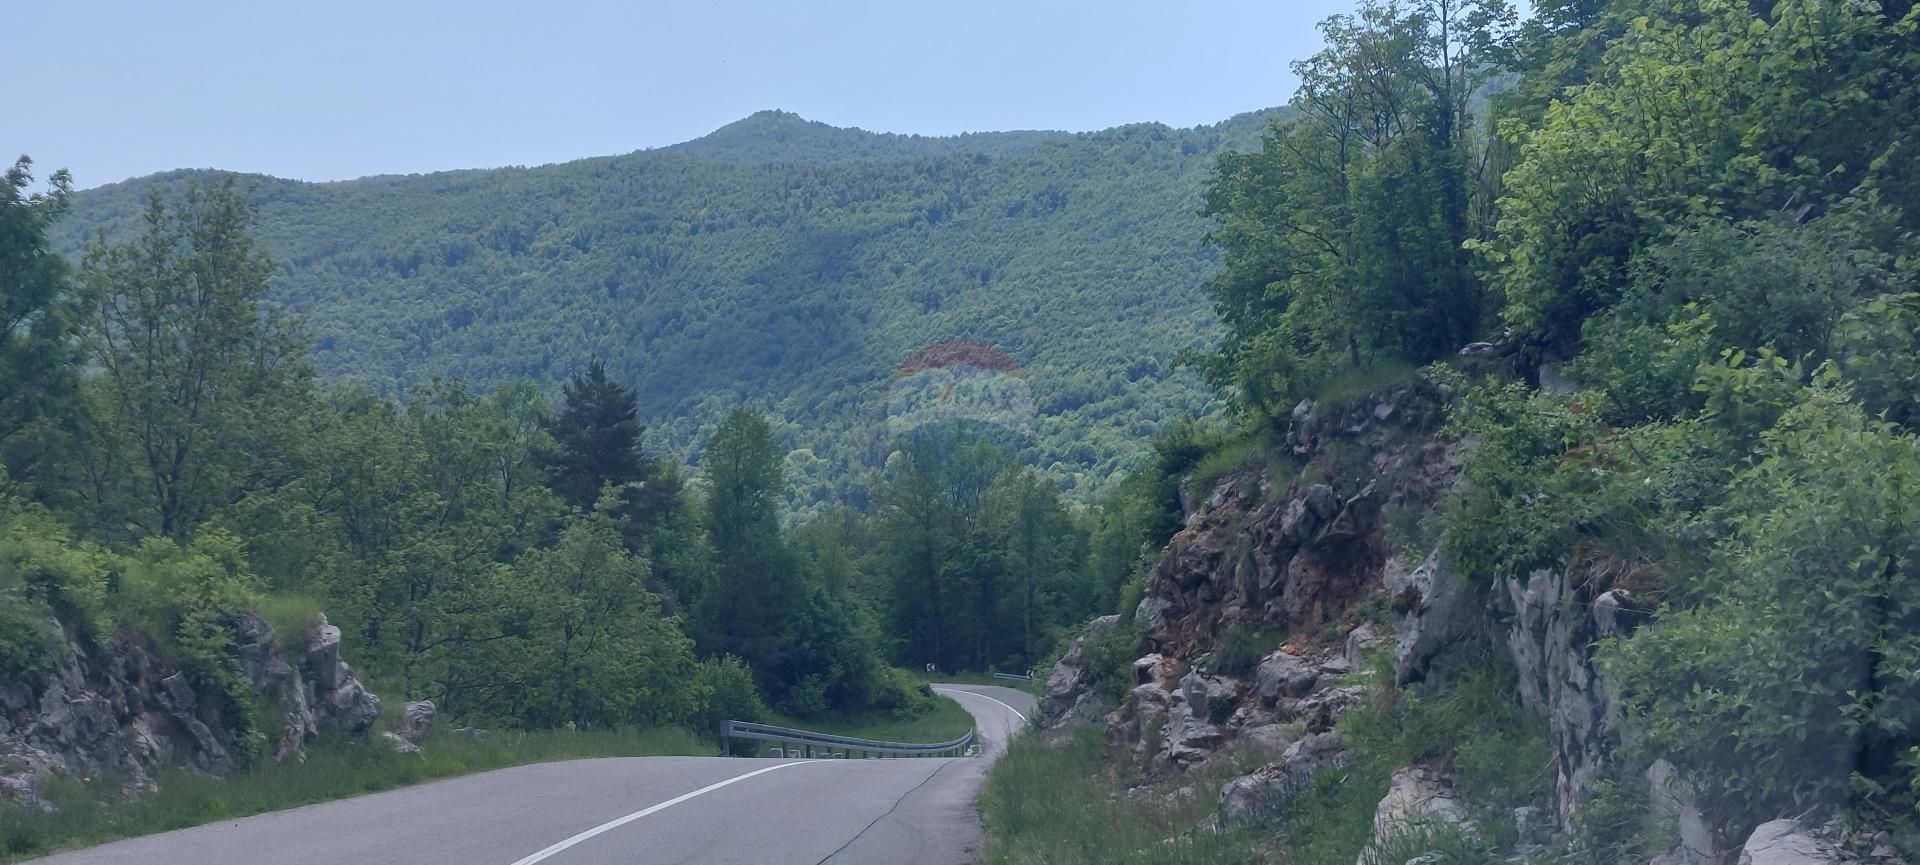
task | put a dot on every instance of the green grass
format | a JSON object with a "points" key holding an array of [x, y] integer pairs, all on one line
{"points": [[1056, 805], [1034, 687], [945, 722], [1351, 383], [333, 770], [1229, 456], [1064, 805]]}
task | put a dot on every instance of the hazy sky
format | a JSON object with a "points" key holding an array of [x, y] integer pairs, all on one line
{"points": [[330, 89]]}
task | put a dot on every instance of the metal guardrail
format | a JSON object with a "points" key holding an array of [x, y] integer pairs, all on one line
{"points": [[837, 746], [1013, 677]]}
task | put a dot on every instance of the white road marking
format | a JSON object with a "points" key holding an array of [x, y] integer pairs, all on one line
{"points": [[1022, 715], [615, 824]]}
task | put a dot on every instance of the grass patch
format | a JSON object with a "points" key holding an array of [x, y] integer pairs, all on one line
{"points": [[1495, 748], [1225, 457], [1033, 686], [1047, 805], [1351, 383], [945, 722], [292, 617], [1239, 649], [87, 812]]}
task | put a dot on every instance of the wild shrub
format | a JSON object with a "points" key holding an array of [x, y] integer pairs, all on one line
{"points": [[1790, 683], [1238, 649]]}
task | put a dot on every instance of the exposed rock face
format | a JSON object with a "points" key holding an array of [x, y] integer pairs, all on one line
{"points": [[1283, 675], [125, 709], [1417, 800], [1553, 624], [1786, 842], [1272, 559], [1438, 619], [1070, 696], [1259, 795], [1291, 553]]}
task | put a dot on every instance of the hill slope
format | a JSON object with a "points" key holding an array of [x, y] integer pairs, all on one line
{"points": [[780, 263]]}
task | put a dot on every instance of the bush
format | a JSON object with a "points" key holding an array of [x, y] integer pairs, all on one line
{"points": [[727, 694], [1110, 656], [1792, 684], [901, 695], [1239, 649], [28, 648], [1497, 748]]}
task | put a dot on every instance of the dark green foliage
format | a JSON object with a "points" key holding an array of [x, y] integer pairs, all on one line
{"points": [[28, 647], [41, 311], [1237, 650], [1344, 236], [596, 443], [1824, 531]]}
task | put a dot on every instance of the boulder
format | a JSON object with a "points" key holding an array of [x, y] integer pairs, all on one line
{"points": [[416, 720], [400, 744], [1283, 675], [1258, 795], [1272, 738], [322, 657], [1418, 800], [1360, 643], [350, 707], [1786, 842]]}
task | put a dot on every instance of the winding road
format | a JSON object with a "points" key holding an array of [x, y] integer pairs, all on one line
{"points": [[629, 811]]}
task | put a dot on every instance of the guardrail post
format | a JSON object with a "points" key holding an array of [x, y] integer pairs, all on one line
{"points": [[726, 738]]}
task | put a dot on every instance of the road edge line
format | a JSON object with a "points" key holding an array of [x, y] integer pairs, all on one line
{"points": [[610, 825], [1016, 712]]}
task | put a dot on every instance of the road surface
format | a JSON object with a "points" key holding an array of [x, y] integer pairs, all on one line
{"points": [[629, 811]]}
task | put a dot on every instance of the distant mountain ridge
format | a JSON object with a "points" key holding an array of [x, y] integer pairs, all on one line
{"points": [[779, 263], [782, 136]]}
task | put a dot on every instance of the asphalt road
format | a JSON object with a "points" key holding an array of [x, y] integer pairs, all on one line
{"points": [[629, 811]]}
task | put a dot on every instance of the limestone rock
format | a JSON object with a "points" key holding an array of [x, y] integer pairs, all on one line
{"points": [[1786, 842], [400, 744], [1256, 796], [1417, 800], [1284, 675], [1437, 618], [416, 720], [1273, 738], [1069, 691]]}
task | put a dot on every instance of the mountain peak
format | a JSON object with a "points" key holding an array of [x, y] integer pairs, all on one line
{"points": [[773, 135]]}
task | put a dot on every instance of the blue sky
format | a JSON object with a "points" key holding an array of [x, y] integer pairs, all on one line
{"points": [[342, 88]]}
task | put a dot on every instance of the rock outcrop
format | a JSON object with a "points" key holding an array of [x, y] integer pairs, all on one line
{"points": [[1418, 801], [1439, 620], [1261, 794], [1786, 842], [1071, 695], [124, 709]]}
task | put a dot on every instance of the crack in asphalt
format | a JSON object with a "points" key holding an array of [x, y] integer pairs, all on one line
{"points": [[896, 806]]}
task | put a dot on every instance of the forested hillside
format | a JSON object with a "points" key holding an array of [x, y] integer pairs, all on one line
{"points": [[784, 265]]}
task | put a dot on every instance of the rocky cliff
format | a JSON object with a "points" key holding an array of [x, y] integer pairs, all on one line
{"points": [[1311, 550], [125, 710]]}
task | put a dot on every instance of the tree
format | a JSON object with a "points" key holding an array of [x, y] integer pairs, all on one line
{"points": [[597, 651], [198, 379], [41, 311], [1344, 237], [596, 437], [754, 581]]}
